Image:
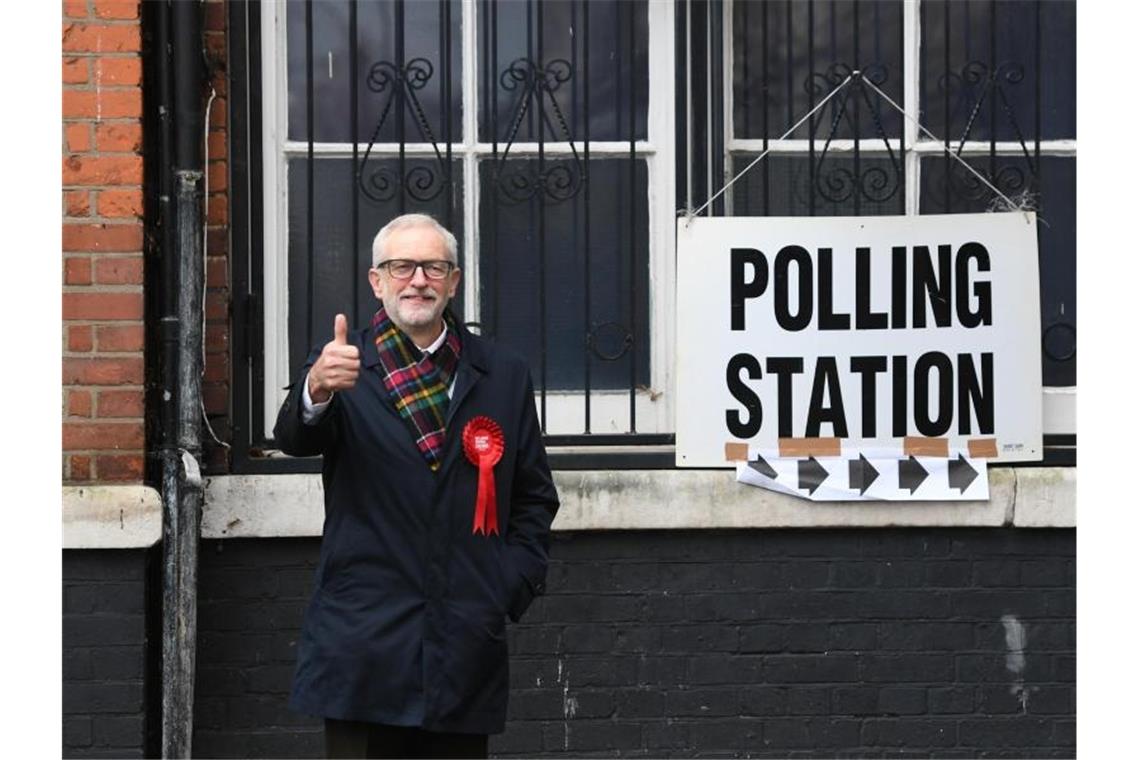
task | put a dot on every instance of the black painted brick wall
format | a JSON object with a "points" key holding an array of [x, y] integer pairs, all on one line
{"points": [[105, 653], [790, 643]]}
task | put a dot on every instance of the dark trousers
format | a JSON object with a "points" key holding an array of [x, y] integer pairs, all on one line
{"points": [[350, 738]]}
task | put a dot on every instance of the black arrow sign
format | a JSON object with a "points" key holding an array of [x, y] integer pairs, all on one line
{"points": [[961, 474], [911, 474], [762, 467], [811, 474], [861, 474]]}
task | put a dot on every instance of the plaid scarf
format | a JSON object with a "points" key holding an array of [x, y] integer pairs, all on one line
{"points": [[417, 382]]}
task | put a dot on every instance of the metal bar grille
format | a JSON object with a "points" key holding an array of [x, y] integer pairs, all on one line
{"points": [[354, 115], [550, 122], [310, 167]]}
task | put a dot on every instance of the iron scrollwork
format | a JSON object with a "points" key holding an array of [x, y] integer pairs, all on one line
{"points": [[975, 75], [838, 183], [968, 191], [537, 84], [1009, 179], [419, 182], [617, 333], [971, 86]]}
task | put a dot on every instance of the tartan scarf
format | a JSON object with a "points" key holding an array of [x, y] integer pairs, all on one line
{"points": [[417, 382]]}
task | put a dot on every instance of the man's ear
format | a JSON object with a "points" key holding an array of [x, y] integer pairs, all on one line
{"points": [[453, 288], [374, 281]]}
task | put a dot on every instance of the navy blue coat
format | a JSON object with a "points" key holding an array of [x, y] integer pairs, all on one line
{"points": [[407, 623]]}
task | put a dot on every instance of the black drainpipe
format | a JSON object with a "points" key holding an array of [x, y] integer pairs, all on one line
{"points": [[159, 289], [174, 113]]}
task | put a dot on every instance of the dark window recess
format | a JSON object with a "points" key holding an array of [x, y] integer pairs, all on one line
{"points": [[1055, 199], [335, 278], [576, 42], [984, 63], [789, 56], [392, 37], [559, 280]]}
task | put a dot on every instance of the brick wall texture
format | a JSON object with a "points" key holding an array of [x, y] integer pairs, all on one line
{"points": [[216, 381], [104, 653], [916, 643], [102, 242]]}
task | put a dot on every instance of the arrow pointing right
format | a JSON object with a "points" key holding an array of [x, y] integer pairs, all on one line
{"points": [[812, 474], [861, 474], [961, 474], [911, 474]]}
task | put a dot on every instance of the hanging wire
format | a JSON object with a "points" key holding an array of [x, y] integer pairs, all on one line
{"points": [[1010, 204], [690, 214]]}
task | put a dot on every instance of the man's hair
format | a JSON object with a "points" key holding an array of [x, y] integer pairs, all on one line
{"points": [[413, 220]]}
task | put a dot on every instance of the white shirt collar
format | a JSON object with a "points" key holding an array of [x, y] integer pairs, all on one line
{"points": [[435, 344]]}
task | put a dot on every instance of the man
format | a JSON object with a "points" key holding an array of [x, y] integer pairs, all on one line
{"points": [[438, 504]]}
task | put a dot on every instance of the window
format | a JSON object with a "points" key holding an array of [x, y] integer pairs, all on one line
{"points": [[539, 132]]}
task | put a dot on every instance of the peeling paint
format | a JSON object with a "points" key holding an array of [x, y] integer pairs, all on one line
{"points": [[1015, 641], [569, 707]]}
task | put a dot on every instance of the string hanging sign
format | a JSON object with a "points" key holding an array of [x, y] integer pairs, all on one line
{"points": [[817, 353]]}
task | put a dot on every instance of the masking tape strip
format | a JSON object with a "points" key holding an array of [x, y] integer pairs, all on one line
{"points": [[982, 448], [805, 447], [735, 451], [917, 446]]}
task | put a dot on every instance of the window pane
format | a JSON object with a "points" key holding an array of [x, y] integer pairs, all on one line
{"points": [[831, 185], [558, 274], [577, 57], [788, 55], [340, 258], [992, 73], [1054, 193], [378, 74]]}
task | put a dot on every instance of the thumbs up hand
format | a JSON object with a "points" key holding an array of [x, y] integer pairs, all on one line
{"points": [[337, 367]]}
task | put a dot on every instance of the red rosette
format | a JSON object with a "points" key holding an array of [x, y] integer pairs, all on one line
{"points": [[483, 445]]}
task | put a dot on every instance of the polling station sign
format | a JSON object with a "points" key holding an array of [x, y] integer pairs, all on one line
{"points": [[869, 330]]}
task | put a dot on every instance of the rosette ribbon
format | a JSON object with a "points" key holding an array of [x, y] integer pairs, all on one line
{"points": [[483, 447]]}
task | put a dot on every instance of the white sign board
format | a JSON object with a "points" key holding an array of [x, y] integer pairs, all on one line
{"points": [[865, 329]]}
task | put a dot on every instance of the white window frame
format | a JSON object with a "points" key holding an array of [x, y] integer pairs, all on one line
{"points": [[565, 413], [1058, 403]]}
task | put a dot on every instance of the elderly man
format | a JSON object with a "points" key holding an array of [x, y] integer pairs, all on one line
{"points": [[438, 504]]}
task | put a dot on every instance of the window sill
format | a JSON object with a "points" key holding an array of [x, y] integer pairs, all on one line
{"points": [[1038, 497]]}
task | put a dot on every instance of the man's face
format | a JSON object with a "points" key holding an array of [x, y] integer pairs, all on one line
{"points": [[415, 303]]}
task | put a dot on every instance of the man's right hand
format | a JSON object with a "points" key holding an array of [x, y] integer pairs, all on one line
{"points": [[337, 367]]}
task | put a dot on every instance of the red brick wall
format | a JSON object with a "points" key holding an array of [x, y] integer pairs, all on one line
{"points": [[102, 242], [215, 384], [103, 439]]}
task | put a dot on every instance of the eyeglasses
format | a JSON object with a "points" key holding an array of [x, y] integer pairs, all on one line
{"points": [[403, 269]]}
